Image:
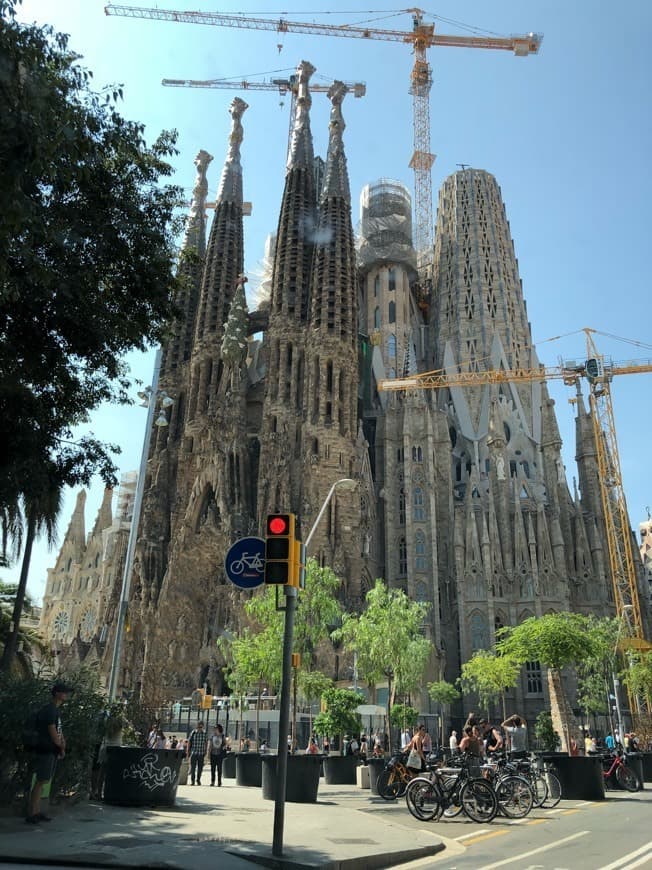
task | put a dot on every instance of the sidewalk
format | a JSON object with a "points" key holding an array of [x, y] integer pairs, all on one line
{"points": [[227, 827]]}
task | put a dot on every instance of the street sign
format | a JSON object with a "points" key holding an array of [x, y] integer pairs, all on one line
{"points": [[245, 563]]}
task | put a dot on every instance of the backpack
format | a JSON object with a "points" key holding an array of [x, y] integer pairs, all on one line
{"points": [[31, 737]]}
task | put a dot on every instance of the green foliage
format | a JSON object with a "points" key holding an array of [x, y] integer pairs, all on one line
{"points": [[488, 675], [339, 716], [592, 693], [82, 726], [546, 736], [313, 684], [387, 638], [87, 234], [555, 639], [404, 716], [443, 693], [638, 676]]}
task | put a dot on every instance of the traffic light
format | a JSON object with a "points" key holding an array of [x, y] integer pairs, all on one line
{"points": [[280, 558]]}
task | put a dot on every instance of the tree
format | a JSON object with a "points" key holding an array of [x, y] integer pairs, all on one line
{"points": [[87, 235], [546, 736], [404, 716], [556, 640], [444, 694], [340, 716], [488, 675], [42, 503], [387, 639]]}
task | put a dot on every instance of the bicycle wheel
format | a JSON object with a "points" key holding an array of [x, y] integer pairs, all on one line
{"points": [[479, 800], [515, 798], [388, 784], [539, 788], [627, 778], [553, 793], [423, 799]]}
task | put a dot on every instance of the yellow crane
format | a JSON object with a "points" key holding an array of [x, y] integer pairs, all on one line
{"points": [[599, 372], [280, 86], [421, 37]]}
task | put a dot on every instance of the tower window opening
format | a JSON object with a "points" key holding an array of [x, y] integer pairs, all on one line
{"points": [[376, 285], [402, 556], [392, 312], [419, 513], [377, 317], [391, 278], [401, 507]]}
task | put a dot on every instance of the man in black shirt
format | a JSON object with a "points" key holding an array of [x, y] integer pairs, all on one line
{"points": [[51, 746], [492, 737]]}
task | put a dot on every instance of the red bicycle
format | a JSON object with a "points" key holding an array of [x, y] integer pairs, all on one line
{"points": [[614, 765]]}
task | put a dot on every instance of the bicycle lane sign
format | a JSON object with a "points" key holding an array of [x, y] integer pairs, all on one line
{"points": [[245, 563]]}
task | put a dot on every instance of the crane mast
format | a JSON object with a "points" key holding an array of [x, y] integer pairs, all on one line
{"points": [[421, 37]]}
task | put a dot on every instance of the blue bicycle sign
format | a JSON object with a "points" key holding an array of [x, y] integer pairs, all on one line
{"points": [[245, 563]]}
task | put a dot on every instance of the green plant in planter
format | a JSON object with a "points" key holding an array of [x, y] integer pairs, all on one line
{"points": [[546, 736], [340, 716], [116, 720]]}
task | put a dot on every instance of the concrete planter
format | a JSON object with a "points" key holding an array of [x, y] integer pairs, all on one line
{"points": [[302, 782], [141, 777], [228, 766], [248, 769], [580, 776], [340, 769], [376, 766], [646, 763]]}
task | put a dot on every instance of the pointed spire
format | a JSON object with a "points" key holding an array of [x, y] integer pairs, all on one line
{"points": [[195, 235], [230, 189], [301, 151], [336, 178], [76, 532], [234, 343], [105, 514]]}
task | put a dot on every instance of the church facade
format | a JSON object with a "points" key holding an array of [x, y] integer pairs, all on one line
{"points": [[461, 498]]}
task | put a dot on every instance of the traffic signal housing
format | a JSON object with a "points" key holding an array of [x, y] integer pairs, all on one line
{"points": [[280, 549]]}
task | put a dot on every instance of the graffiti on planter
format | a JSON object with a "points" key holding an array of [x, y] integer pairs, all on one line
{"points": [[151, 776]]}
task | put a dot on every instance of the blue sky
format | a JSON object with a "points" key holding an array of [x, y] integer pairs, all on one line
{"points": [[567, 133]]}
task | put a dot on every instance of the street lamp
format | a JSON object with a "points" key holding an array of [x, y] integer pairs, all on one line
{"points": [[345, 483], [150, 399]]}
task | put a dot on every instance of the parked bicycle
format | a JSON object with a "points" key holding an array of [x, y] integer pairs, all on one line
{"points": [[394, 777], [447, 791], [614, 765]]}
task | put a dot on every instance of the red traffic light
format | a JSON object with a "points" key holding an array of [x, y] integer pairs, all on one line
{"points": [[279, 525]]}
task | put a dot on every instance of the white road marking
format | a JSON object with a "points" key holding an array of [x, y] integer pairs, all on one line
{"points": [[640, 863], [545, 848], [620, 862], [474, 834]]}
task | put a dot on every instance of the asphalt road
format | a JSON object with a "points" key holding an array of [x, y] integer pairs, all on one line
{"points": [[615, 834]]}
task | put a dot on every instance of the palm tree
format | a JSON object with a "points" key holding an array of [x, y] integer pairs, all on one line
{"points": [[40, 504]]}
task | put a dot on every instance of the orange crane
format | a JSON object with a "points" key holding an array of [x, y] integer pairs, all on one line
{"points": [[281, 86], [599, 372], [421, 37]]}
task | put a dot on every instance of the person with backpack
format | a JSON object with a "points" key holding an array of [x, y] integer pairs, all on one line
{"points": [[50, 746]]}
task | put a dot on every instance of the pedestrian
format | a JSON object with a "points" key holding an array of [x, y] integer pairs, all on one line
{"points": [[364, 747], [452, 742], [312, 748], [493, 739], [325, 745], [152, 736], [51, 746], [516, 730], [472, 743], [406, 737], [416, 758], [217, 749], [427, 744], [160, 740], [196, 752], [609, 742]]}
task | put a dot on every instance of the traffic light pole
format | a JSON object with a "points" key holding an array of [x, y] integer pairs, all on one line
{"points": [[284, 721]]}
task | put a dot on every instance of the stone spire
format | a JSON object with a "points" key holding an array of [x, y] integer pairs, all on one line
{"points": [[179, 347], [336, 178], [104, 515], [225, 254], [76, 531], [296, 226]]}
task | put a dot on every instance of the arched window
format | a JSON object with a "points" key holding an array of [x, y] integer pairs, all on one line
{"points": [[376, 285], [391, 346], [419, 513], [392, 312], [417, 454], [401, 506], [391, 278], [420, 551], [377, 317], [421, 592], [479, 634], [402, 556]]}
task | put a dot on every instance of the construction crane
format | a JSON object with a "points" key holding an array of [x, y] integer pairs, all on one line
{"points": [[280, 86], [599, 372], [421, 37]]}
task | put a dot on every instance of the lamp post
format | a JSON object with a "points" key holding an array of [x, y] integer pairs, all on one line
{"points": [[149, 400], [290, 593], [345, 483]]}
